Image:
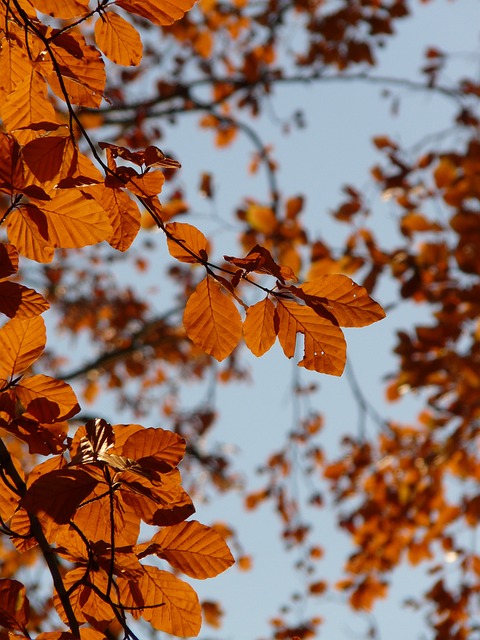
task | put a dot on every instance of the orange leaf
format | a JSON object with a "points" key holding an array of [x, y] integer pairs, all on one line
{"points": [[27, 104], [11, 168], [124, 217], [28, 230], [348, 302], [118, 39], [154, 446], [173, 605], [46, 399], [45, 156], [14, 605], [83, 70], [161, 12], [8, 260], [193, 548], [20, 302], [211, 320], [147, 184], [62, 8], [74, 219], [325, 348], [261, 218], [186, 240], [21, 343], [259, 327], [57, 494]]}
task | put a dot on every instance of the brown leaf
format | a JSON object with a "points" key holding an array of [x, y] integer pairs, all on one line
{"points": [[14, 605], [21, 343], [118, 39], [325, 348], [259, 331], [212, 321], [193, 548], [186, 243]]}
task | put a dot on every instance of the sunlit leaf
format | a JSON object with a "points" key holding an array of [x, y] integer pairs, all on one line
{"points": [[62, 8], [21, 343], [259, 330], [212, 320], [46, 399], [161, 12], [57, 494], [196, 550], [19, 301], [324, 346], [27, 104], [186, 243], [118, 39], [14, 605], [173, 605], [124, 216], [348, 302], [153, 447]]}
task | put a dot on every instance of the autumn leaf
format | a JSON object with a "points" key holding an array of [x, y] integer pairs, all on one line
{"points": [[57, 494], [324, 344], [62, 8], [348, 302], [186, 243], [212, 321], [72, 219], [259, 330], [124, 216], [171, 605], [14, 605], [118, 39], [193, 548], [161, 12], [21, 343], [46, 399], [154, 448]]}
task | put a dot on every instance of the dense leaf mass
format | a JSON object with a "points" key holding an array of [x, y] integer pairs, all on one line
{"points": [[86, 90]]}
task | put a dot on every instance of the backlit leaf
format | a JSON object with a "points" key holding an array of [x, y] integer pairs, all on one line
{"points": [[186, 243], [212, 321], [8, 260], [124, 216], [19, 301], [161, 12], [27, 228], [83, 70], [21, 343], [348, 302], [259, 330], [157, 445], [193, 548], [75, 219], [324, 349], [14, 605], [44, 156], [62, 8], [173, 604], [27, 104], [46, 399], [57, 494], [118, 39]]}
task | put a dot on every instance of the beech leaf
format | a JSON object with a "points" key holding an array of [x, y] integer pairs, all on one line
{"points": [[212, 320], [193, 548]]}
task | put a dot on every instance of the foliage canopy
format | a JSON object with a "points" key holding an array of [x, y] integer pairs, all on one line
{"points": [[86, 90]]}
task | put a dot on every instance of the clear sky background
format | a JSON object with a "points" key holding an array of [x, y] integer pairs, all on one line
{"points": [[334, 149]]}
